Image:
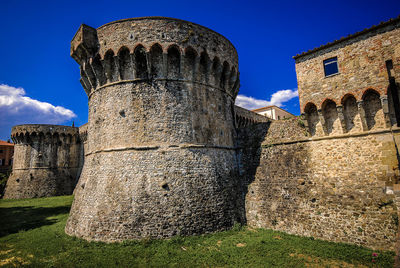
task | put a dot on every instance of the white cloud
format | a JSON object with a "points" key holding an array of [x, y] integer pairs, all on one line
{"points": [[278, 98], [16, 108]]}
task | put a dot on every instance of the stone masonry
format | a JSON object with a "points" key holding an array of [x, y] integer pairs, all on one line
{"points": [[166, 152], [160, 158], [47, 160]]}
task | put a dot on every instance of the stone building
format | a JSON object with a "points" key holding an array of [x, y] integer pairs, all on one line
{"points": [[47, 161], [274, 112], [6, 155], [166, 152], [333, 174]]}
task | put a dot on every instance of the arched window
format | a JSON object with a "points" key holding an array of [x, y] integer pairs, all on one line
{"points": [[203, 67]]}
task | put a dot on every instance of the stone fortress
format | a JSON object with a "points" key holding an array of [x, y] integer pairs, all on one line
{"points": [[166, 152]]}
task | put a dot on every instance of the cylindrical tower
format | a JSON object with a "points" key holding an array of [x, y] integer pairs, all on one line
{"points": [[160, 157], [46, 161]]}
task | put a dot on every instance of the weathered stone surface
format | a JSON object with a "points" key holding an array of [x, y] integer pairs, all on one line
{"points": [[329, 188], [47, 160], [160, 156]]}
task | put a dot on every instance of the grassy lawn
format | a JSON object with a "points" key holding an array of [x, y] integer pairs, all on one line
{"points": [[32, 234]]}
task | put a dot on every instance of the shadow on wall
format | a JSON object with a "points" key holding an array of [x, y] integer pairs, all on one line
{"points": [[17, 219], [248, 155]]}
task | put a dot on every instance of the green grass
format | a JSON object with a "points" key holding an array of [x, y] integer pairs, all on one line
{"points": [[32, 234]]}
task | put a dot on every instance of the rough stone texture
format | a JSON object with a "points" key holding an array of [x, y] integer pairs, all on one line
{"points": [[362, 66], [46, 161], [335, 188], [244, 117], [160, 157]]}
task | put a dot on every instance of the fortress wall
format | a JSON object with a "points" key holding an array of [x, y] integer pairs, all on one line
{"points": [[46, 161], [337, 188], [160, 155]]}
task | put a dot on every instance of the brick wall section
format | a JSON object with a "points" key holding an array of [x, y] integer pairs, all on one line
{"points": [[333, 188]]}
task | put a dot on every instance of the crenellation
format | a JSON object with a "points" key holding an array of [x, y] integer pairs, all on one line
{"points": [[46, 161]]}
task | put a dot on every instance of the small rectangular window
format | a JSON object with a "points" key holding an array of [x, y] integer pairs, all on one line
{"points": [[331, 66]]}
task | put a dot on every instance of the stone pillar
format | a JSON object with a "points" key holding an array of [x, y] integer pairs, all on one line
{"points": [[339, 110], [385, 108], [360, 106]]}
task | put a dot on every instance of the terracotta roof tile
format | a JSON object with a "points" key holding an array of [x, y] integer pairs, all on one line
{"points": [[6, 143]]}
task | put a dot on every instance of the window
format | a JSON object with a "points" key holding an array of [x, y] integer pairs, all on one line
{"points": [[331, 66]]}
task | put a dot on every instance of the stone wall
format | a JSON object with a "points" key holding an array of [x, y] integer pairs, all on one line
{"points": [[160, 155], [338, 188], [362, 66], [46, 162]]}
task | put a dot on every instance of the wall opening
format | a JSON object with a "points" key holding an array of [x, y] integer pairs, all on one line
{"points": [[140, 62], [312, 117], [350, 113], [156, 60], [373, 109], [125, 64], [174, 62], [331, 117]]}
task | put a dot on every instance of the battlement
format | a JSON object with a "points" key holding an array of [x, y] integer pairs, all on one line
{"points": [[137, 50], [25, 133]]}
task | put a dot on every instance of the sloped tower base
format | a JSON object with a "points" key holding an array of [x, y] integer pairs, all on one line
{"points": [[160, 157]]}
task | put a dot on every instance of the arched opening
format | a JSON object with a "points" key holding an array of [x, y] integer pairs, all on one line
{"points": [[312, 117], [351, 114], [232, 78], [109, 66], [98, 69], [216, 70], [156, 60], [393, 102], [140, 62], [90, 74], [373, 110], [174, 62], [224, 75], [329, 111], [203, 67], [190, 60], [125, 64]]}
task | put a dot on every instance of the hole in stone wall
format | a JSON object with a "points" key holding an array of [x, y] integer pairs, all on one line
{"points": [[122, 113]]}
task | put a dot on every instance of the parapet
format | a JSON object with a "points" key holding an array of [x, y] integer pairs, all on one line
{"points": [[154, 48], [21, 132], [245, 118]]}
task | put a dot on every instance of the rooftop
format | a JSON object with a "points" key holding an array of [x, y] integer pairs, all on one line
{"points": [[367, 30], [4, 143], [268, 107]]}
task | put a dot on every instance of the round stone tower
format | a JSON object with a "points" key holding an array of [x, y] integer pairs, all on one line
{"points": [[46, 161], [160, 157]]}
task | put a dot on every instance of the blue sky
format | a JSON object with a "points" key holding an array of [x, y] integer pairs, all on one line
{"points": [[39, 81]]}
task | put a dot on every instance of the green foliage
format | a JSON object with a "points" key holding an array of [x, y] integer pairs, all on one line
{"points": [[32, 234], [3, 181]]}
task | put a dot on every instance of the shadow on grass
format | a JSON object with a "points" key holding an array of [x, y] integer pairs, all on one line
{"points": [[15, 219]]}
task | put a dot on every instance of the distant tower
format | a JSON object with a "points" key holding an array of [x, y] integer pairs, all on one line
{"points": [[46, 161], [160, 158]]}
